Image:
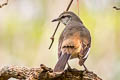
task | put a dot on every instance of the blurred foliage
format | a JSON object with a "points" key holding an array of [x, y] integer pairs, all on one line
{"points": [[25, 29]]}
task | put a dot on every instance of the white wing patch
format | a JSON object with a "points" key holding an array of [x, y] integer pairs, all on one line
{"points": [[87, 54]]}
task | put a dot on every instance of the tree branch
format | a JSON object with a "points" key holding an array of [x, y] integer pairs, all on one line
{"points": [[4, 4], [44, 73], [116, 8]]}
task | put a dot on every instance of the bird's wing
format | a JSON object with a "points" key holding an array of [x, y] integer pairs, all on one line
{"points": [[85, 50], [86, 43], [60, 44]]}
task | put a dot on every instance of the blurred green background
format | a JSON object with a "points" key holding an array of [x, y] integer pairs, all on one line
{"points": [[26, 28]]}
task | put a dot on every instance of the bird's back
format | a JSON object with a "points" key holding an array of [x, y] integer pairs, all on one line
{"points": [[73, 36]]}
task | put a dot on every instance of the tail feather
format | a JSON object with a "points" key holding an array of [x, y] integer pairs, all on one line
{"points": [[59, 67]]}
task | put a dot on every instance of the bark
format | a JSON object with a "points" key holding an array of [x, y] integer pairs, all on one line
{"points": [[44, 73]]}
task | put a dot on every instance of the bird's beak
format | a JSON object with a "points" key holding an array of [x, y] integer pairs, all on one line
{"points": [[58, 19]]}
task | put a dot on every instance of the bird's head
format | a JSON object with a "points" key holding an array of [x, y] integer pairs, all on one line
{"points": [[67, 17]]}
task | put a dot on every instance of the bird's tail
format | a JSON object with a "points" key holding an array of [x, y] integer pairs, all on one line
{"points": [[59, 67]]}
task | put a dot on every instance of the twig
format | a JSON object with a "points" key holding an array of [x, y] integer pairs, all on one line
{"points": [[4, 4], [69, 5], [116, 8], [52, 38], [44, 73], [78, 6]]}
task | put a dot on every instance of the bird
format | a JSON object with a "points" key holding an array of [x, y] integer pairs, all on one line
{"points": [[74, 41]]}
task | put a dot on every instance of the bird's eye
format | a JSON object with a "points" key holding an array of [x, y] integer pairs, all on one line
{"points": [[63, 17]]}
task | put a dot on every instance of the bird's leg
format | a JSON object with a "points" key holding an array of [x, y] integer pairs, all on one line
{"points": [[85, 68], [69, 67], [81, 63]]}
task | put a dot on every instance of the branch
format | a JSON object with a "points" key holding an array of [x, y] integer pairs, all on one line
{"points": [[52, 38], [116, 8], [44, 73], [4, 4]]}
